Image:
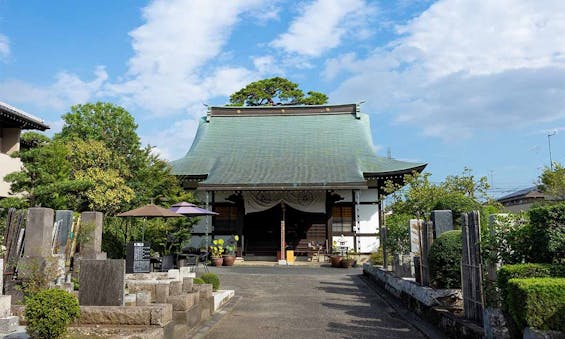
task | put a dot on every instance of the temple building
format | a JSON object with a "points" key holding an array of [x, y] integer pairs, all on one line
{"points": [[12, 122], [289, 176]]}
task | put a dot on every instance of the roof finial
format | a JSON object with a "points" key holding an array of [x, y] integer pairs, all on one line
{"points": [[358, 109]]}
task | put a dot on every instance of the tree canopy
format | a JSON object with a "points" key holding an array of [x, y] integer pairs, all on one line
{"points": [[553, 181], [275, 91]]}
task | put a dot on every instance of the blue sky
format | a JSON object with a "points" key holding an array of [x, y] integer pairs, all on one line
{"points": [[453, 83]]}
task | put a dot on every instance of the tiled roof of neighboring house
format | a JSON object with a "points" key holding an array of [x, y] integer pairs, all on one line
{"points": [[285, 147], [13, 117], [530, 192]]}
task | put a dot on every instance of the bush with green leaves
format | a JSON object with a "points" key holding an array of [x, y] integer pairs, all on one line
{"points": [[198, 281], [49, 312], [537, 303], [522, 271], [211, 278], [548, 233], [445, 260]]}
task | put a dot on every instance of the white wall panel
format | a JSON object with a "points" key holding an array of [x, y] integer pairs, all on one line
{"points": [[368, 244], [370, 195], [368, 218]]}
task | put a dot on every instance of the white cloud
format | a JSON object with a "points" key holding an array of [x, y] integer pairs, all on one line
{"points": [[173, 49], [463, 66], [68, 89], [485, 37], [174, 141], [267, 65], [4, 46], [323, 25]]}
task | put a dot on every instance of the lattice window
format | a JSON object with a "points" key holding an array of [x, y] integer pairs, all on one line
{"points": [[342, 219], [225, 222]]}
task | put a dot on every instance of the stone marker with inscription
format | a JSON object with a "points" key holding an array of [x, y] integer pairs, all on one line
{"points": [[443, 221], [102, 282]]}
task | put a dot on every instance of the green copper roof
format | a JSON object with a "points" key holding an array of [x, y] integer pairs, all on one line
{"points": [[281, 151]]}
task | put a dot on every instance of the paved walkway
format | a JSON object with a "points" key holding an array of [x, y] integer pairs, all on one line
{"points": [[304, 302]]}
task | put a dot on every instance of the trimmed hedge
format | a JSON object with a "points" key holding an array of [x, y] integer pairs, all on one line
{"points": [[198, 281], [537, 303], [49, 312], [211, 278], [507, 272], [445, 260], [547, 233]]}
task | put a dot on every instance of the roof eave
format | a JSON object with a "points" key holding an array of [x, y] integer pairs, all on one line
{"points": [[280, 187]]}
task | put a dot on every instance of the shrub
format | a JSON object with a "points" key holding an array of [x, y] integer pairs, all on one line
{"points": [[537, 303], [445, 260], [49, 312], [521, 271], [377, 258], [548, 233], [198, 281], [211, 278]]}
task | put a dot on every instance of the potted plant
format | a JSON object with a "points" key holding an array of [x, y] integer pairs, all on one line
{"points": [[217, 249], [336, 257], [349, 260], [229, 256]]}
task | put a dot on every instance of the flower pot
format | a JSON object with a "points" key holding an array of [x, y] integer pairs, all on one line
{"points": [[335, 260], [229, 260], [217, 261], [346, 263]]}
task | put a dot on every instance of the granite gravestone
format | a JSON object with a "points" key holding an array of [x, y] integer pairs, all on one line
{"points": [[63, 223], [91, 225], [102, 282], [39, 232], [415, 235], [443, 222]]}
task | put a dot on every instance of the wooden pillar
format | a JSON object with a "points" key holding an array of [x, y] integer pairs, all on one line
{"points": [[283, 247]]}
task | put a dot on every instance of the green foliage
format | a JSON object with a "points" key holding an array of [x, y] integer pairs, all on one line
{"points": [[275, 91], [211, 278], [49, 312], [459, 193], [548, 233], [232, 244], [198, 281], [445, 260], [377, 258], [397, 233], [510, 243], [36, 274], [553, 181], [521, 271], [537, 303]]}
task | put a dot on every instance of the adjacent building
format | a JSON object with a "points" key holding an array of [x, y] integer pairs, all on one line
{"points": [[523, 200], [293, 176], [12, 122]]}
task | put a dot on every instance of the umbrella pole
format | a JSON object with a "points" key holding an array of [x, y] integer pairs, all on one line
{"points": [[143, 230]]}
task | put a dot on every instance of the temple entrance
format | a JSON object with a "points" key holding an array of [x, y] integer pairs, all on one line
{"points": [[262, 231]]}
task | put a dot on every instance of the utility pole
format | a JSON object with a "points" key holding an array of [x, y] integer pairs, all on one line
{"points": [[549, 135]]}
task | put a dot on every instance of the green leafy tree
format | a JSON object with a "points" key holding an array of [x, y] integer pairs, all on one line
{"points": [[275, 91], [553, 181]]}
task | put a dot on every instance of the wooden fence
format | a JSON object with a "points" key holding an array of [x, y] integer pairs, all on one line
{"points": [[471, 267]]}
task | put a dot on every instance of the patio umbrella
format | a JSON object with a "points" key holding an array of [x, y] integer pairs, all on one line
{"points": [[191, 210], [149, 211]]}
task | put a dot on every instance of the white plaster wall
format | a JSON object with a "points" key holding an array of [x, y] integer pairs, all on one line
{"points": [[367, 244], [7, 165], [368, 218], [370, 195]]}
